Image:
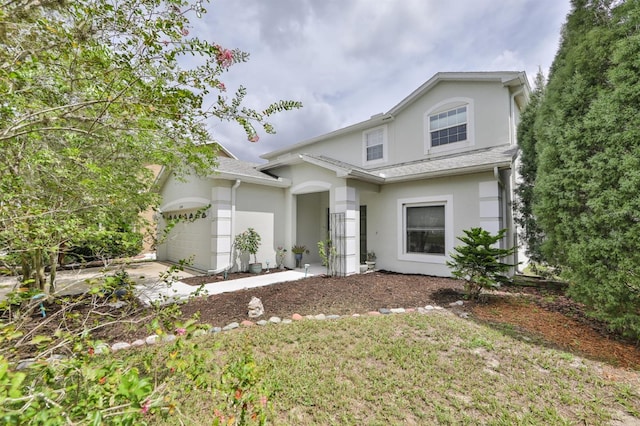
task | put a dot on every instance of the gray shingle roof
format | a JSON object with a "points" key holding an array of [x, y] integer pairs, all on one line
{"points": [[467, 162], [231, 167]]}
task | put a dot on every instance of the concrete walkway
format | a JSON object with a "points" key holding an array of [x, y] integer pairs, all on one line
{"points": [[149, 286], [181, 291]]}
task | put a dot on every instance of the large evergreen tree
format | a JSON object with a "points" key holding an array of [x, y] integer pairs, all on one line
{"points": [[530, 232], [586, 197]]}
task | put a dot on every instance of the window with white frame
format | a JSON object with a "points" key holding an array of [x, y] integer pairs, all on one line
{"points": [[375, 144], [448, 126], [425, 228]]}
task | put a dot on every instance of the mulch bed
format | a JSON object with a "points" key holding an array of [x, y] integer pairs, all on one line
{"points": [[541, 311], [544, 313]]}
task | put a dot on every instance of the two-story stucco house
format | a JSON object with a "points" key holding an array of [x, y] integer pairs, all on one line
{"points": [[403, 184]]}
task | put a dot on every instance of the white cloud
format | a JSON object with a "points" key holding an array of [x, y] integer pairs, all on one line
{"points": [[349, 59]]}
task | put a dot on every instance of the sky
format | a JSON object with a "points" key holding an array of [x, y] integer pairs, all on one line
{"points": [[347, 60]]}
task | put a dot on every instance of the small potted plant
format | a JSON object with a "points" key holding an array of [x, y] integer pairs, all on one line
{"points": [[249, 242], [299, 250], [371, 261]]}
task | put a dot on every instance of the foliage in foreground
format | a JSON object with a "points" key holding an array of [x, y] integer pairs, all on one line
{"points": [[479, 261], [92, 92], [70, 378]]}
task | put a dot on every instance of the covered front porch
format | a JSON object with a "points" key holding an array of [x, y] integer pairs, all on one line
{"points": [[327, 215]]}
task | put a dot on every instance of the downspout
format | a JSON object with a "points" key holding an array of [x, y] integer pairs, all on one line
{"points": [[514, 141], [510, 225], [231, 227], [496, 175]]}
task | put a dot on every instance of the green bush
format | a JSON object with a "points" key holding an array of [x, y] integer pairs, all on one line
{"points": [[105, 244], [478, 261]]}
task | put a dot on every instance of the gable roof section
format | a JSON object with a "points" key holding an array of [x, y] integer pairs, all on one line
{"points": [[456, 164], [507, 78], [233, 169]]}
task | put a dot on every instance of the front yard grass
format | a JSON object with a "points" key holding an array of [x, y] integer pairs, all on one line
{"points": [[409, 368]]}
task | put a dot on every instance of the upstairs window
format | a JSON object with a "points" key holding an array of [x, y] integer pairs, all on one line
{"points": [[448, 126], [375, 142]]}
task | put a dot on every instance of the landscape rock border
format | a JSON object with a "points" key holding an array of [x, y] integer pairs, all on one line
{"points": [[154, 339]]}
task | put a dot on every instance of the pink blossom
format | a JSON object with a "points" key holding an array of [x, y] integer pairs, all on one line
{"points": [[254, 138], [181, 331], [185, 32], [224, 57], [221, 86], [145, 407]]}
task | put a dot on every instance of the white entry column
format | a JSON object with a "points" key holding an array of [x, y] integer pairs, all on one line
{"points": [[490, 206], [346, 201]]}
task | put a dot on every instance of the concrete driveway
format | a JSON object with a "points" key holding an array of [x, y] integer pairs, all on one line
{"points": [[77, 281], [149, 286]]}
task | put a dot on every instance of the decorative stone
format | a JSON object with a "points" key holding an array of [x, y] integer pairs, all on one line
{"points": [[230, 326], [138, 342], [464, 315], [309, 317], [287, 321], [151, 340], [384, 311], [25, 363], [409, 310], [397, 310], [457, 303], [275, 320], [320, 317], [119, 346], [356, 315], [255, 308], [102, 348], [429, 307], [262, 322], [169, 338], [332, 317], [247, 323], [296, 317], [214, 330], [374, 313]]}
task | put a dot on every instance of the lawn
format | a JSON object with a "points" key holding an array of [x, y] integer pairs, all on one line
{"points": [[409, 368]]}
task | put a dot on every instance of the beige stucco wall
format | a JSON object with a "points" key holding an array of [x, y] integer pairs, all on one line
{"points": [[488, 125], [384, 235], [208, 241], [261, 208], [185, 240], [406, 133]]}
